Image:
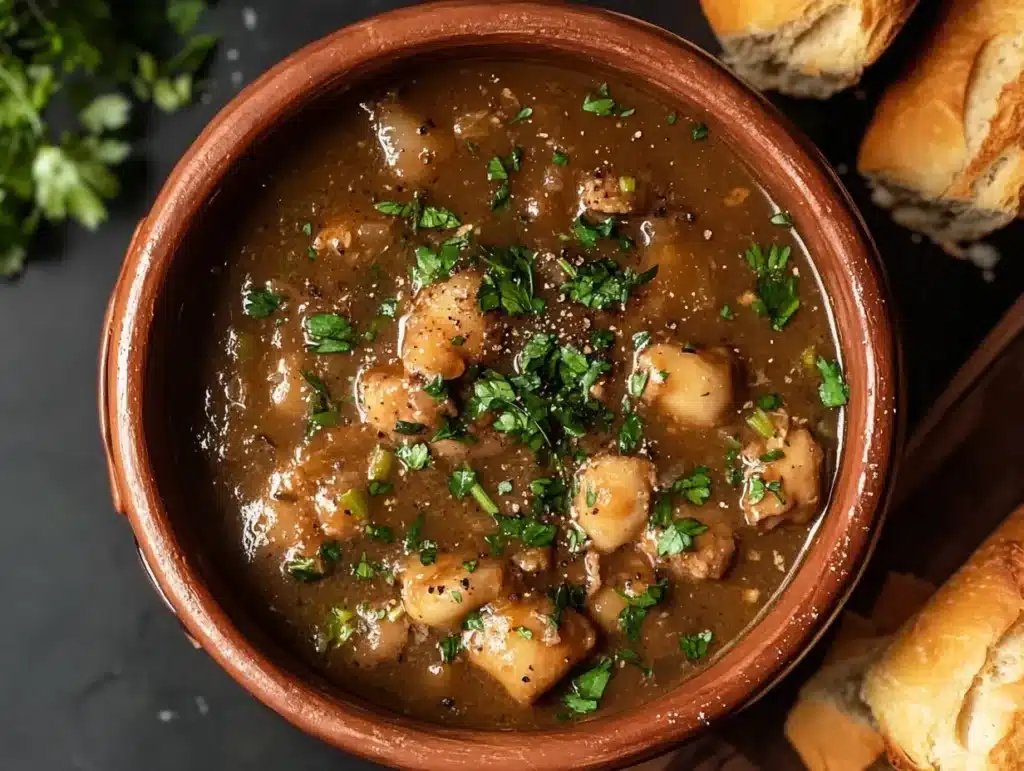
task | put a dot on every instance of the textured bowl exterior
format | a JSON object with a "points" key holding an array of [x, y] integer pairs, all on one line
{"points": [[783, 161]]}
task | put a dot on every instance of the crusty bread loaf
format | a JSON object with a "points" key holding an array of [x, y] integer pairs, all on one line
{"points": [[948, 692], [804, 47], [945, 149]]}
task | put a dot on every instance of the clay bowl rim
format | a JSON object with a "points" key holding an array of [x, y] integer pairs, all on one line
{"points": [[783, 161]]}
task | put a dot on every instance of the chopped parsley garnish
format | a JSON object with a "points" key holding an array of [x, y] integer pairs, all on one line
{"points": [[726, 313], [322, 411], [305, 569], [783, 218], [414, 456], [523, 114], [452, 429], [458, 340], [834, 390], [504, 487], [463, 482], [769, 402], [381, 533], [559, 158], [699, 131], [678, 536], [696, 487], [632, 617], [498, 169], [409, 428], [456, 596], [307, 228], [695, 646], [420, 216], [329, 333], [437, 217], [588, 234], [771, 456], [672, 118], [637, 383], [586, 690], [389, 308], [450, 647], [437, 388], [433, 266], [364, 569], [414, 541], [564, 597], [602, 104], [777, 287], [260, 302], [601, 339], [631, 432], [339, 626], [377, 487], [501, 196], [733, 464], [641, 340], [508, 282], [525, 632], [469, 566], [598, 284], [474, 621]]}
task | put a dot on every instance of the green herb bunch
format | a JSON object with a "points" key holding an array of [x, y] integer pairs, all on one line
{"points": [[91, 59]]}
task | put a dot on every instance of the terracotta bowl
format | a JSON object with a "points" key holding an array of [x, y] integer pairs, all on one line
{"points": [[148, 485]]}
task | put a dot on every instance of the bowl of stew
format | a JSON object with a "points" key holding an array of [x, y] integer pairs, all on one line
{"points": [[501, 384]]}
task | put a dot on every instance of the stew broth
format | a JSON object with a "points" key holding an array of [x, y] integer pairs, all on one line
{"points": [[472, 458]]}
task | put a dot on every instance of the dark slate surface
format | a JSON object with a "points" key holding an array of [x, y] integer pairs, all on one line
{"points": [[94, 673]]}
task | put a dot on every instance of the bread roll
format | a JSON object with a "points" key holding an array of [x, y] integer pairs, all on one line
{"points": [[804, 47], [944, 149], [948, 692]]}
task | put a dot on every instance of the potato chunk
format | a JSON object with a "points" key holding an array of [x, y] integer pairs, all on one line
{"points": [[794, 473], [522, 649], [609, 194], [612, 498], [693, 388], [441, 594], [412, 145], [385, 398], [627, 572], [446, 330], [709, 559]]}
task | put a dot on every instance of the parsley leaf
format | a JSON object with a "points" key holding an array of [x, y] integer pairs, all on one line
{"points": [[696, 487], [508, 282], [587, 689], [631, 432], [322, 410], [559, 158], [777, 287], [450, 647], [601, 283], [414, 456], [260, 302], [695, 646], [602, 104], [678, 537], [329, 333], [409, 428], [523, 114], [834, 390], [437, 265], [783, 218], [631, 618], [699, 132]]}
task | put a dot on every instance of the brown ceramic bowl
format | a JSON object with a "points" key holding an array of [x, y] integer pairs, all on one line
{"points": [[148, 488]]}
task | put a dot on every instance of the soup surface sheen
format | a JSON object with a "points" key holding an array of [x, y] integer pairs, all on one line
{"points": [[473, 457]]}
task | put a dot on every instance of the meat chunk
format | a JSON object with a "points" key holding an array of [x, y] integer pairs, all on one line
{"points": [[522, 649], [782, 477], [385, 398], [608, 194], [382, 636], [411, 144], [441, 594], [693, 388], [612, 499], [709, 559], [446, 330]]}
